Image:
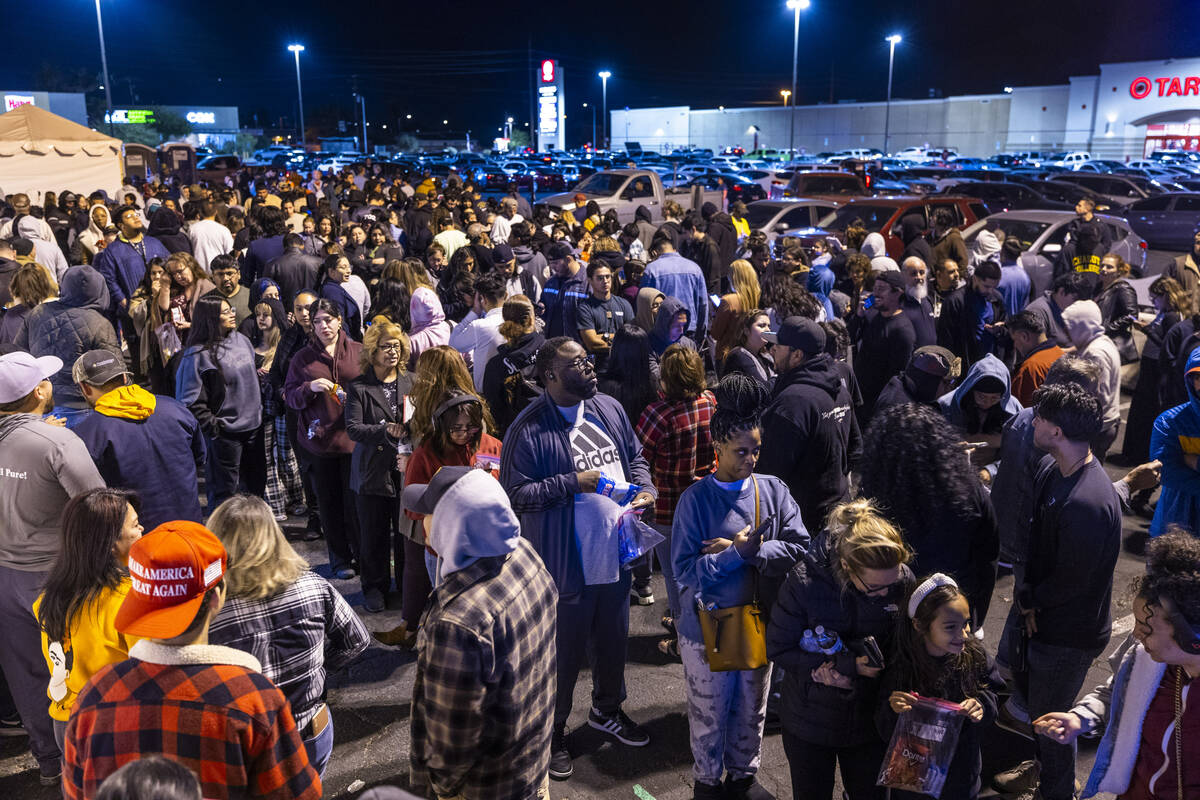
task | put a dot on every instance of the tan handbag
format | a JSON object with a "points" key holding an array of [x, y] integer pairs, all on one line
{"points": [[735, 637]]}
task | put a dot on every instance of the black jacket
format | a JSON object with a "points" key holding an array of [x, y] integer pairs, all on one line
{"points": [[259, 253], [510, 379], [911, 386], [920, 314], [294, 271], [1117, 304], [812, 596], [915, 244], [809, 434], [957, 325], [373, 462], [707, 256]]}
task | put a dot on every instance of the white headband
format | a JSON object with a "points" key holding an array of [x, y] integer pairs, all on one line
{"points": [[932, 582]]}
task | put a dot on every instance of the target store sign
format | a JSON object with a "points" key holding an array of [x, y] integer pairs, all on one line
{"points": [[1144, 86]]}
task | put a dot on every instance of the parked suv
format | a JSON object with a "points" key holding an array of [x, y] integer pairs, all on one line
{"points": [[824, 184]]}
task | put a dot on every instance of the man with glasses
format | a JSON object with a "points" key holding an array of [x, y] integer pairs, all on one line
{"points": [[555, 454], [227, 276], [602, 313]]}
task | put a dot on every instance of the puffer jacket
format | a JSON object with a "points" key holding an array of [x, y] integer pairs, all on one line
{"points": [[70, 326], [812, 596]]}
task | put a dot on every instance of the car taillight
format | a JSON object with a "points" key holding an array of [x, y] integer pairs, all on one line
{"points": [[1142, 244]]}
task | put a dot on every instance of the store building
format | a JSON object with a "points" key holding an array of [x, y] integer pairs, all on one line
{"points": [[1125, 112], [210, 125], [65, 104]]}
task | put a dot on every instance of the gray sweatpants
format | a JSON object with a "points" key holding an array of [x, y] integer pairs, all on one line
{"points": [[726, 711], [21, 659]]}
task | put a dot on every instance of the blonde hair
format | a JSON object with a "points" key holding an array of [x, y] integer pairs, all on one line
{"points": [[382, 328], [440, 370], [745, 283], [861, 538], [261, 562], [271, 337], [518, 317], [409, 271]]}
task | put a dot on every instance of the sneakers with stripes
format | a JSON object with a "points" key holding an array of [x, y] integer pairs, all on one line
{"points": [[620, 727]]}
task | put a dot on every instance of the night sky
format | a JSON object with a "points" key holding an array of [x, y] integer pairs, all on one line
{"points": [[466, 61]]}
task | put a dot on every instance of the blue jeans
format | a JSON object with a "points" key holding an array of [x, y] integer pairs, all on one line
{"points": [[320, 748], [431, 567], [1051, 682]]}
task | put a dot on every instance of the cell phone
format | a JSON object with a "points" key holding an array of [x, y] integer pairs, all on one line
{"points": [[870, 301], [762, 529], [716, 301], [873, 653], [176, 315]]}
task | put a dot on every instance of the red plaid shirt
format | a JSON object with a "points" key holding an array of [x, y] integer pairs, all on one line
{"points": [[678, 446], [205, 706]]}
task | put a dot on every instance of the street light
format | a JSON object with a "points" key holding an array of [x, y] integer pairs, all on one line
{"points": [[796, 6], [893, 40], [604, 76], [104, 66], [585, 105], [786, 94], [296, 50]]}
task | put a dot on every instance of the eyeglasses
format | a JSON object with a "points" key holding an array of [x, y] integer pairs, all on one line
{"points": [[868, 589], [583, 363], [458, 429], [391, 348]]}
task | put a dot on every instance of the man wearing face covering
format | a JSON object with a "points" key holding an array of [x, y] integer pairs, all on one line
{"points": [[492, 613]]}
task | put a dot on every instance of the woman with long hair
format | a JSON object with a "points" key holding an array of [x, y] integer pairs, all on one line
{"points": [[78, 607], [677, 444], [30, 285], [1118, 305], [177, 297], [851, 582], [745, 349], [217, 380], [510, 379], [144, 312], [744, 297], [284, 488], [438, 372], [914, 468], [428, 321], [289, 618], [375, 411], [335, 273], [753, 515], [315, 390], [381, 248], [630, 375], [392, 300], [1151, 394]]}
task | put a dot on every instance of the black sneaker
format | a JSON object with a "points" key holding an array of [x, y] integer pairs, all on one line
{"points": [[50, 776], [745, 789], [642, 595], [620, 727], [373, 600], [12, 727], [708, 791], [560, 756]]}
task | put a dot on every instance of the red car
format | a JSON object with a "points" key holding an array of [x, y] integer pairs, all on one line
{"points": [[883, 215]]}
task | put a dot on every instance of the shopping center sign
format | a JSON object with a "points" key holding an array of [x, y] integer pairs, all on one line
{"points": [[1142, 86], [550, 105]]}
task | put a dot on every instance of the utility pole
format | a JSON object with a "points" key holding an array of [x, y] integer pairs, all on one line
{"points": [[358, 98], [104, 68]]}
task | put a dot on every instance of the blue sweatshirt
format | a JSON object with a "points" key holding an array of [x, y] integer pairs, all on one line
{"points": [[222, 392], [707, 510], [1177, 434]]}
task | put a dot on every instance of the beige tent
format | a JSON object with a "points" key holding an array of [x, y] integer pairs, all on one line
{"points": [[41, 152]]}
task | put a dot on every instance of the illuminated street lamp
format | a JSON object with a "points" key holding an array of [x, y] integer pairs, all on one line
{"points": [[796, 6], [892, 40], [296, 50], [604, 76], [786, 94]]}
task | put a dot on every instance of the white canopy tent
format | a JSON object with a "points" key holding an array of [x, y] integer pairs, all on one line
{"points": [[41, 152]]}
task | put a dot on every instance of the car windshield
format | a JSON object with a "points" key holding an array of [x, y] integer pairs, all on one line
{"points": [[873, 217], [1025, 231], [757, 216], [601, 184]]}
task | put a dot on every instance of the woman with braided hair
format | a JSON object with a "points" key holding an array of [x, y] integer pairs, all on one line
{"points": [[724, 557]]}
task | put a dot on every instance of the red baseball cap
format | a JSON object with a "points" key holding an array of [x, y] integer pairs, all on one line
{"points": [[170, 568]]}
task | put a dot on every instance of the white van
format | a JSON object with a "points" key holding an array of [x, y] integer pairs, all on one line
{"points": [[1072, 160]]}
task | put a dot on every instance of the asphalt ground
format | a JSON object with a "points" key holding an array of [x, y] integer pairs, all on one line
{"points": [[371, 702]]}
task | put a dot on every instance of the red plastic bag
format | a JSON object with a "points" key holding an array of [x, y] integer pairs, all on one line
{"points": [[922, 747]]}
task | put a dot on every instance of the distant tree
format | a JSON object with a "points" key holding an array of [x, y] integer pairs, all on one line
{"points": [[518, 139], [136, 134], [406, 142], [170, 124]]}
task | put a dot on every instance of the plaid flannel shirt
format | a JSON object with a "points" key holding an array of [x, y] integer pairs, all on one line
{"points": [[298, 635], [678, 447], [483, 699], [205, 706]]}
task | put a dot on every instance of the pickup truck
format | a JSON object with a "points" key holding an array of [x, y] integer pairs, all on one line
{"points": [[626, 189]]}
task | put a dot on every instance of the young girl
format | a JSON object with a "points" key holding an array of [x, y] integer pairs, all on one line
{"points": [[936, 655], [284, 489]]}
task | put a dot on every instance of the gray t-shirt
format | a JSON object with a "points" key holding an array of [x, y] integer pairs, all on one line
{"points": [[595, 515]]}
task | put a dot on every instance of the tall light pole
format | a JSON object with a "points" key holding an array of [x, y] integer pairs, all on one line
{"points": [[604, 76], [892, 40], [296, 50], [796, 6], [786, 94], [585, 105], [104, 68]]}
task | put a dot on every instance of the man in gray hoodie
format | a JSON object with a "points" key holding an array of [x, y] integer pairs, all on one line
{"points": [[42, 466], [1085, 326]]}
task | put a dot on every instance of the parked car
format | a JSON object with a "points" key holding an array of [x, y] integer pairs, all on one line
{"points": [[1043, 233], [824, 184], [215, 168], [883, 214], [1006, 196], [626, 189], [1072, 160], [1100, 165], [1167, 221], [735, 187], [916, 155], [778, 217], [1119, 190]]}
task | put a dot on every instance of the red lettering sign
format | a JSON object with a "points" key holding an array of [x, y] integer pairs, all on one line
{"points": [[1140, 88], [1174, 88], [1191, 86], [1162, 85]]}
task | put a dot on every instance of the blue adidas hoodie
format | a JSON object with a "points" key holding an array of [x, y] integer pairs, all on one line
{"points": [[1177, 434]]}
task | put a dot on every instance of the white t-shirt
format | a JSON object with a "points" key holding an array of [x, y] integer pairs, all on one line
{"points": [[209, 239], [478, 338]]}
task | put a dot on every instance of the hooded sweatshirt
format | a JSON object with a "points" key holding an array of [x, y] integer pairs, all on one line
{"points": [[429, 326], [986, 247], [70, 326], [148, 443], [912, 229], [660, 334], [1085, 326], [643, 316], [165, 226], [45, 249], [875, 248], [966, 419], [44, 466], [1176, 435], [90, 239], [810, 436], [472, 520]]}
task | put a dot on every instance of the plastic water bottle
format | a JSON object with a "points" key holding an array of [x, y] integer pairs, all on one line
{"points": [[828, 642], [620, 492], [808, 643]]}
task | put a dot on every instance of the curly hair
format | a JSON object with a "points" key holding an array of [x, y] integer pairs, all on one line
{"points": [[913, 467], [788, 298], [1173, 570]]}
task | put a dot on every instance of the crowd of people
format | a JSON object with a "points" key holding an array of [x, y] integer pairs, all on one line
{"points": [[502, 421]]}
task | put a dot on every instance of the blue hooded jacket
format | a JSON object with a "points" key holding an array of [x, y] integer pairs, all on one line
{"points": [[989, 365], [1176, 435]]}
